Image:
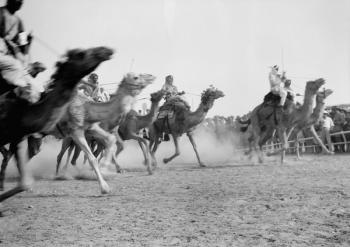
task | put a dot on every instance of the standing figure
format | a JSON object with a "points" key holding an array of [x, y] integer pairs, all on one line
{"points": [[326, 126]]}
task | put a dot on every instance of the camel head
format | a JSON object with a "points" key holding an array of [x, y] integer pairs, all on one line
{"points": [[323, 94], [157, 96], [209, 96], [313, 86], [78, 63], [134, 83]]}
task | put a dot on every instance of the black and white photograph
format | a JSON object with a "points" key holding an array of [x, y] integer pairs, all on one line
{"points": [[151, 123]]}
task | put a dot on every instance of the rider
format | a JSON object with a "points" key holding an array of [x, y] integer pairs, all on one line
{"points": [[276, 81], [90, 87], [288, 88], [14, 45], [171, 90]]}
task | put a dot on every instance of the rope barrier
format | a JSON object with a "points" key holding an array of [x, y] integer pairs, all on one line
{"points": [[47, 46]]}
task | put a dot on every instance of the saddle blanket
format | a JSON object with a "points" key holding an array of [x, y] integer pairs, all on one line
{"points": [[163, 114]]}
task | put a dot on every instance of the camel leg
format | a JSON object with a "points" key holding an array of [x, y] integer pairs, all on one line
{"points": [[319, 141], [99, 151], [153, 145], [25, 179], [77, 151], [265, 136], [284, 141], [108, 140], [120, 148], [69, 154], [65, 145], [256, 140], [144, 154], [190, 137], [79, 139], [177, 150], [145, 150], [5, 160], [249, 152], [297, 140], [34, 144]]}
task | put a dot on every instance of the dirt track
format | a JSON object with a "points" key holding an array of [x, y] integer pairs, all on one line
{"points": [[303, 203]]}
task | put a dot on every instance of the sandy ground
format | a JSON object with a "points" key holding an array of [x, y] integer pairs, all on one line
{"points": [[231, 203]]}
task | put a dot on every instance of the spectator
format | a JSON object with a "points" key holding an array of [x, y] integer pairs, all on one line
{"points": [[326, 126]]}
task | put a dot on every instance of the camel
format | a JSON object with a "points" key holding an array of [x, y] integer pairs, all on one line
{"points": [[18, 118], [67, 143], [84, 117], [133, 123], [315, 117], [180, 120], [34, 69], [127, 130], [266, 118]]}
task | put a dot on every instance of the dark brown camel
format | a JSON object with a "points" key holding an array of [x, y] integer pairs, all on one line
{"points": [[33, 142], [18, 118], [179, 120], [266, 118], [133, 123]]}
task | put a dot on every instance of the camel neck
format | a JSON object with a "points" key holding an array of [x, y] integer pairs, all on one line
{"points": [[197, 116], [43, 115], [306, 108], [318, 111]]}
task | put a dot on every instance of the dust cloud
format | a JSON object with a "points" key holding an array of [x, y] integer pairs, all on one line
{"points": [[212, 150]]}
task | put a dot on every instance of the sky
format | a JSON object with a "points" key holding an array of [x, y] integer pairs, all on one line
{"points": [[227, 43]]}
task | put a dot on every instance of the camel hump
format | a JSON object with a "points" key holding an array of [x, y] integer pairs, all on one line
{"points": [[175, 103]]}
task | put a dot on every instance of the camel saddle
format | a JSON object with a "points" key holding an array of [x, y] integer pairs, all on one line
{"points": [[172, 113], [271, 107], [171, 107], [274, 99]]}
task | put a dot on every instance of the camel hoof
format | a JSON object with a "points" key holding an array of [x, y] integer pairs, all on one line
{"points": [[154, 164], [62, 177], [105, 189], [25, 187], [165, 161], [202, 165], [26, 183]]}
